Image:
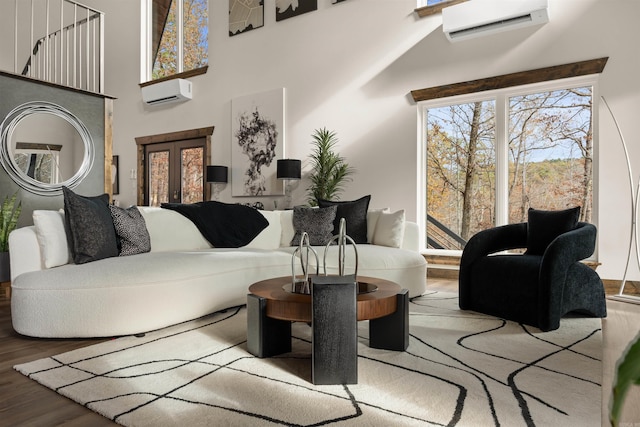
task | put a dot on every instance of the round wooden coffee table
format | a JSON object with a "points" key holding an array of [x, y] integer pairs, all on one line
{"points": [[333, 314], [284, 305]]}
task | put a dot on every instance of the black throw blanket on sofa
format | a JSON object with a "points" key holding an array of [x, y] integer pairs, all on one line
{"points": [[224, 225]]}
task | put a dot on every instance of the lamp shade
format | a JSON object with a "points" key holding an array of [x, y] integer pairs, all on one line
{"points": [[217, 173], [289, 169]]}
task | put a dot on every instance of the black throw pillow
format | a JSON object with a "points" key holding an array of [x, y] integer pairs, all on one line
{"points": [[355, 214], [89, 227], [544, 226]]}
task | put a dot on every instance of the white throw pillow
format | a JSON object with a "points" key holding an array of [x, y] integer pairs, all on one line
{"points": [[52, 237], [389, 229], [372, 220]]}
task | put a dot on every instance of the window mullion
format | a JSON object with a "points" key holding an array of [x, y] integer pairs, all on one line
{"points": [[502, 160], [180, 35]]}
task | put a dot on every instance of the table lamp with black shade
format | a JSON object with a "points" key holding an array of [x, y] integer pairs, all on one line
{"points": [[289, 170], [217, 175]]}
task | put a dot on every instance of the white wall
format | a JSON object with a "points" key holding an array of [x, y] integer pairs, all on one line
{"points": [[350, 67]]}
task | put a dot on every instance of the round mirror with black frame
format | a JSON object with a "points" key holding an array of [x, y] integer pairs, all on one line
{"points": [[43, 147]]}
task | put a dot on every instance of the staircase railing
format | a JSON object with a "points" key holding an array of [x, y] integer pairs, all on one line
{"points": [[439, 236], [59, 41]]}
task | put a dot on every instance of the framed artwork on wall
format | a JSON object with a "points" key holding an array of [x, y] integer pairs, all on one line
{"points": [[289, 8], [245, 15], [257, 142]]}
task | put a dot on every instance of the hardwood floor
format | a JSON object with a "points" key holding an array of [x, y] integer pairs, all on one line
{"points": [[24, 402]]}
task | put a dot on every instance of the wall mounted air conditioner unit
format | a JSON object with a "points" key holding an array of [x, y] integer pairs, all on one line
{"points": [[174, 90], [477, 18]]}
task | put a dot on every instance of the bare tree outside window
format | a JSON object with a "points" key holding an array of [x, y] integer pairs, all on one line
{"points": [[549, 162], [550, 152], [192, 182], [461, 166], [195, 30]]}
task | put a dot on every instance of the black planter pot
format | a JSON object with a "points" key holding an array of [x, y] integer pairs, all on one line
{"points": [[5, 269]]}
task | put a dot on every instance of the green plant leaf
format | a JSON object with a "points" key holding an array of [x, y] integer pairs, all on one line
{"points": [[628, 374], [9, 214], [329, 171]]}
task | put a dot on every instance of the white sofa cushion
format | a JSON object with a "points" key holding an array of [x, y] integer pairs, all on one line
{"points": [[171, 231], [52, 238], [286, 221], [138, 293], [269, 238]]}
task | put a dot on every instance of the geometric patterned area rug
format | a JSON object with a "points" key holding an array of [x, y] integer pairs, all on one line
{"points": [[461, 369]]}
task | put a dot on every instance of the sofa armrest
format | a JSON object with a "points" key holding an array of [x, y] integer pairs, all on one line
{"points": [[483, 243], [492, 240], [24, 251], [564, 251]]}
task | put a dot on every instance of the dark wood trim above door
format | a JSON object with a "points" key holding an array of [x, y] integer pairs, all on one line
{"points": [[575, 69], [175, 136]]}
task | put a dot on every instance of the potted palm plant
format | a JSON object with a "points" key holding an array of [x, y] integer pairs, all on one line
{"points": [[9, 214], [329, 171]]}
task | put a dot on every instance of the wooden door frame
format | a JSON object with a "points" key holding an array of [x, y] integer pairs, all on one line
{"points": [[183, 135]]}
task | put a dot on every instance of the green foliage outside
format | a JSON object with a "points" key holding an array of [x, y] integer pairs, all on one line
{"points": [[329, 171], [195, 36]]}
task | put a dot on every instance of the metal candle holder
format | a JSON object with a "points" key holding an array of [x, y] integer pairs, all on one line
{"points": [[301, 286], [342, 239]]}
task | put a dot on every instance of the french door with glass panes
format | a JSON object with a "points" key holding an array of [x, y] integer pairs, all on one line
{"points": [[174, 172]]}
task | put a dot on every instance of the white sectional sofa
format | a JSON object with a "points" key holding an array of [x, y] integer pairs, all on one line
{"points": [[182, 278]]}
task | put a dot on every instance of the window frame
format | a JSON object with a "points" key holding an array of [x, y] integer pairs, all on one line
{"points": [[146, 47], [501, 97]]}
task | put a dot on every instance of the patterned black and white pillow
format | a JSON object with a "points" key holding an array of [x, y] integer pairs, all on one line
{"points": [[133, 236], [317, 223]]}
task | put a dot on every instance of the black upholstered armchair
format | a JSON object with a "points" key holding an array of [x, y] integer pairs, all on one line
{"points": [[534, 289]]}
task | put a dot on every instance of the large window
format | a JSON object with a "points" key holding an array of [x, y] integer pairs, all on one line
{"points": [[177, 33], [490, 157]]}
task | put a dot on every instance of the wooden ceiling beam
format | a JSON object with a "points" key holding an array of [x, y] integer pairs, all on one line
{"points": [[575, 69]]}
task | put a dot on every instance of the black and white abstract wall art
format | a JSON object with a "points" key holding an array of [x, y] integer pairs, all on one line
{"points": [[257, 134], [245, 15], [289, 8]]}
